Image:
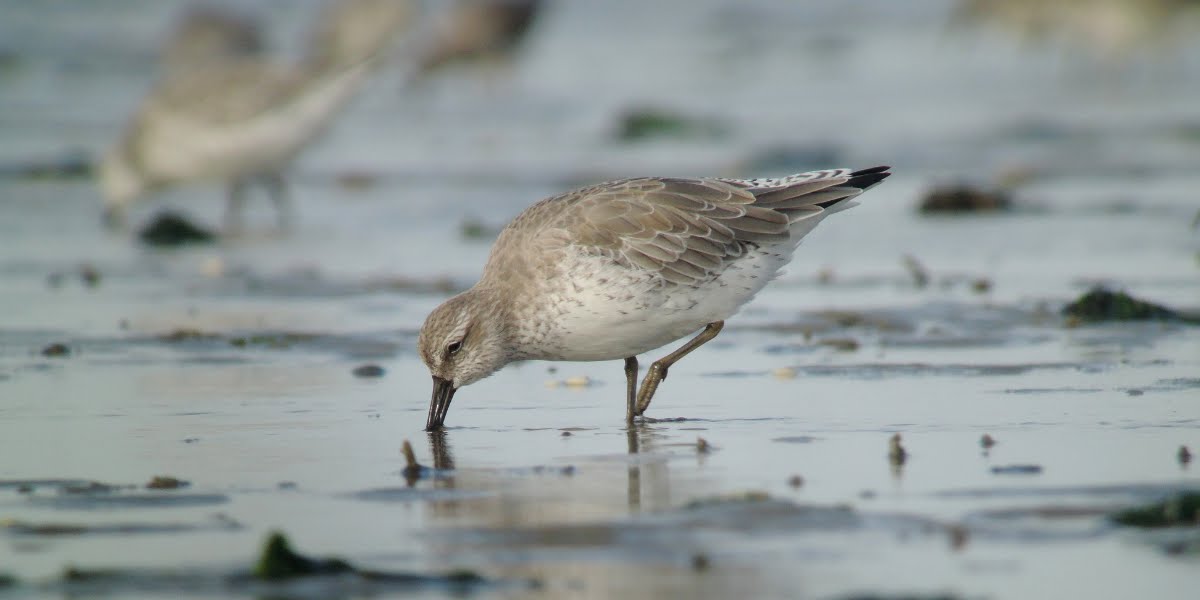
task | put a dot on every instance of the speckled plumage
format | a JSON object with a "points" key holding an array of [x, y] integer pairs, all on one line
{"points": [[620, 268]]}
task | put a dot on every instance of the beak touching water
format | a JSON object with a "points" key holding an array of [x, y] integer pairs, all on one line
{"points": [[443, 392]]}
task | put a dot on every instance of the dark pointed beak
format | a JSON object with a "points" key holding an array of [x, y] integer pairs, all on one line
{"points": [[443, 393]]}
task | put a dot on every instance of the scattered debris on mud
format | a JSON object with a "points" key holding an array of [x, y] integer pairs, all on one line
{"points": [[412, 469]]}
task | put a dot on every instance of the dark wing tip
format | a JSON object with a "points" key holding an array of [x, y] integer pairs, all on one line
{"points": [[867, 178]]}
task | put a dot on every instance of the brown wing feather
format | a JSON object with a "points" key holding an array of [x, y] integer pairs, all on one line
{"points": [[684, 229]]}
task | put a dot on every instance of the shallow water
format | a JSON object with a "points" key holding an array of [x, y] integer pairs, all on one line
{"points": [[230, 366]]}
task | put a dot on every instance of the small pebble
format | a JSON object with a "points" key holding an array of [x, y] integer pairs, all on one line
{"points": [[89, 275], [56, 350], [1134, 392], [839, 344], [577, 382], [369, 371], [1017, 470], [981, 285], [166, 482], [700, 562], [784, 373], [357, 180], [212, 267], [566, 434], [958, 537], [795, 481]]}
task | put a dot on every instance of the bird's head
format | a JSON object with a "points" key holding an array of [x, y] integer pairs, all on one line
{"points": [[462, 341]]}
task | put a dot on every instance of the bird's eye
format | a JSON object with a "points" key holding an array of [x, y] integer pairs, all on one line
{"points": [[453, 348]]}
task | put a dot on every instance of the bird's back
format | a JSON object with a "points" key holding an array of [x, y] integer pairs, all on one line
{"points": [[683, 230]]}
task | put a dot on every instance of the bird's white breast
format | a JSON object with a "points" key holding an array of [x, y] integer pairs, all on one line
{"points": [[597, 309]]}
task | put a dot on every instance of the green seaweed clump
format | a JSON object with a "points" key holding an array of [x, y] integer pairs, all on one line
{"points": [[649, 123], [1101, 304], [1178, 510], [747, 497], [278, 561], [7, 581]]}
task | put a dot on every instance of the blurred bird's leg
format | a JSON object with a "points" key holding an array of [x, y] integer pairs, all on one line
{"points": [[278, 190], [235, 204], [658, 370]]}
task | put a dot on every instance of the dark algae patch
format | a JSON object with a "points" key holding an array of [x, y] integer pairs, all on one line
{"points": [[278, 561], [369, 371], [1100, 304], [964, 198], [1177, 510], [172, 229]]}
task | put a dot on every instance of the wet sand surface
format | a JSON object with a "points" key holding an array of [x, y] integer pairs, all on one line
{"points": [[231, 366]]}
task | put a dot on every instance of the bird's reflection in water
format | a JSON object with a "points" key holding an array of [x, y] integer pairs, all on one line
{"points": [[635, 470], [439, 448]]}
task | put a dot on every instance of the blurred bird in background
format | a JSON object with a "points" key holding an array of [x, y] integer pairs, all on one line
{"points": [[476, 30], [224, 112], [1110, 28], [205, 36]]}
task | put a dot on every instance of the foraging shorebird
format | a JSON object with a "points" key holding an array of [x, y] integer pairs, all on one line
{"points": [[243, 120], [618, 269]]}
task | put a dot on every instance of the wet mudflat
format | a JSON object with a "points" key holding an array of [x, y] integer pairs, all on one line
{"points": [[274, 377]]}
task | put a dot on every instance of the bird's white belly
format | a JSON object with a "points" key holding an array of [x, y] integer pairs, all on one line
{"points": [[602, 311]]}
